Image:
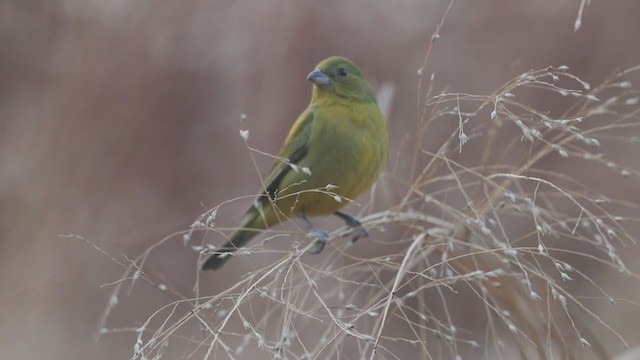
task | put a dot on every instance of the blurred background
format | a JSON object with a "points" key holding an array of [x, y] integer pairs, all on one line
{"points": [[119, 122]]}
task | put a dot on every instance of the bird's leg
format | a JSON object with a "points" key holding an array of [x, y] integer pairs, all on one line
{"points": [[359, 231], [322, 237]]}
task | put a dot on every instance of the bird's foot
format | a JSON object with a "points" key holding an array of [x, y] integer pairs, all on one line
{"points": [[357, 230], [321, 239], [358, 233]]}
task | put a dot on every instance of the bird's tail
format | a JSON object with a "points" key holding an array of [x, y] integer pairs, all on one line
{"points": [[252, 224]]}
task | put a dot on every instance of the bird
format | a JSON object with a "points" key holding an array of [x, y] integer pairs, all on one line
{"points": [[335, 151]]}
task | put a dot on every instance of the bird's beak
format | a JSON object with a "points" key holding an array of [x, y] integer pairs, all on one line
{"points": [[318, 77]]}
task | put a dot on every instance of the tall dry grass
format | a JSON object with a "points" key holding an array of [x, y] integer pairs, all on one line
{"points": [[477, 248]]}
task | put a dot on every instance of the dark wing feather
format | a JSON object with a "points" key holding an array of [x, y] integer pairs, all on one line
{"points": [[294, 150]]}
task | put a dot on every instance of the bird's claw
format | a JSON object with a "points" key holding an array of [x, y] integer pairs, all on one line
{"points": [[358, 233], [357, 230], [322, 238]]}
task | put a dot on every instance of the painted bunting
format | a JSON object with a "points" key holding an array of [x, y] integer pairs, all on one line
{"points": [[334, 151]]}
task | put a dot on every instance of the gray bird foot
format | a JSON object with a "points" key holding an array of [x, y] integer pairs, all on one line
{"points": [[355, 224], [359, 233], [322, 238]]}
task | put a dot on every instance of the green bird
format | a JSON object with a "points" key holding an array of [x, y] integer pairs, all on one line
{"points": [[336, 149]]}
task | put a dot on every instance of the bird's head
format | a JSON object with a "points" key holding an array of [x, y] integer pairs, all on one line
{"points": [[338, 76]]}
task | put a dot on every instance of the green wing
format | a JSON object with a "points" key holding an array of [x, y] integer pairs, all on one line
{"points": [[295, 148]]}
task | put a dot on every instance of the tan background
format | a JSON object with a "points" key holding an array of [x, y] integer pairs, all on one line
{"points": [[119, 122]]}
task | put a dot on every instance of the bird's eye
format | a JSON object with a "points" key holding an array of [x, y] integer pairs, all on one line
{"points": [[342, 72]]}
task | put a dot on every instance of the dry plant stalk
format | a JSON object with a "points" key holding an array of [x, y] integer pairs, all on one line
{"points": [[499, 235]]}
